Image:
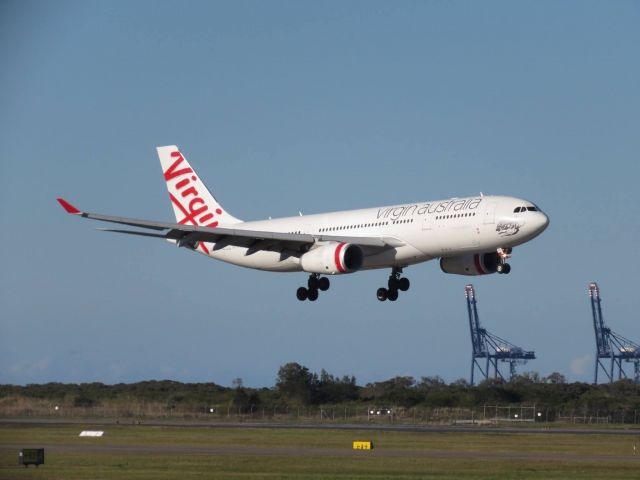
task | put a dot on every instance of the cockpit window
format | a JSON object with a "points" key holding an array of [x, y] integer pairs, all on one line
{"points": [[525, 209]]}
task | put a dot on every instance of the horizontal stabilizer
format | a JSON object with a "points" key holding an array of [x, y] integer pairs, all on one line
{"points": [[132, 232]]}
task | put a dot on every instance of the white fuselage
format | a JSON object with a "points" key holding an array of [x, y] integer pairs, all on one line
{"points": [[416, 232]]}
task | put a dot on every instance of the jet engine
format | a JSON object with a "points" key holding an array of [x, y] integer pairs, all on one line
{"points": [[332, 258], [473, 264]]}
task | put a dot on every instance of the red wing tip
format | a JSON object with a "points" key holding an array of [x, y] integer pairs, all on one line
{"points": [[68, 207]]}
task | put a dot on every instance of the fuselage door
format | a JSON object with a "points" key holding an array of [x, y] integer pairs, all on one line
{"points": [[490, 213]]}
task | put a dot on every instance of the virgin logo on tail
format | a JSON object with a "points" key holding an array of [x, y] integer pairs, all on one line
{"points": [[194, 208]]}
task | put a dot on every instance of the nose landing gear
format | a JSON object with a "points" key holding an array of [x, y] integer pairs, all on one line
{"points": [[396, 283], [315, 284], [503, 266]]}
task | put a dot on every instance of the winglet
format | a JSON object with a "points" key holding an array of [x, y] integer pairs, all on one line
{"points": [[68, 207]]}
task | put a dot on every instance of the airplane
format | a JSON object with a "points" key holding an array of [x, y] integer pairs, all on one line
{"points": [[471, 235]]}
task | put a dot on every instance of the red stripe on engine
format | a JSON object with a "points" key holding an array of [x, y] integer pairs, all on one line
{"points": [[336, 257], [476, 259]]}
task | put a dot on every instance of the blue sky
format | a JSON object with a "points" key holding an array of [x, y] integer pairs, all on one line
{"points": [[310, 106]]}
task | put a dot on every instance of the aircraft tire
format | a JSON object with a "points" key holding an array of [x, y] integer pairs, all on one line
{"points": [[324, 284], [382, 294], [392, 296], [404, 284], [312, 296], [302, 294]]}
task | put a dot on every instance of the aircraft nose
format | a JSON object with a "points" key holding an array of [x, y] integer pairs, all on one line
{"points": [[542, 222]]}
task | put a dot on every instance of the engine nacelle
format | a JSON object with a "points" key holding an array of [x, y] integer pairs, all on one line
{"points": [[477, 264], [333, 258]]}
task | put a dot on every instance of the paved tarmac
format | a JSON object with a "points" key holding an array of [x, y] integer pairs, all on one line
{"points": [[249, 450], [327, 426]]}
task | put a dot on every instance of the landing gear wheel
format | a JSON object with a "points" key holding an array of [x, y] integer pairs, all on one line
{"points": [[302, 294], [392, 295], [396, 284], [323, 284], [312, 295], [382, 294], [503, 268], [315, 283]]}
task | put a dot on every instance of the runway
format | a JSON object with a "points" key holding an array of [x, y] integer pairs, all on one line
{"points": [[251, 451], [327, 426]]}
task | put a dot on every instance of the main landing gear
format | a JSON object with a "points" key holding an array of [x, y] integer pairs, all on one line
{"points": [[396, 283], [314, 284], [503, 266]]}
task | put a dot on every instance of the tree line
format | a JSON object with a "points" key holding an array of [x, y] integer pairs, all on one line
{"points": [[296, 386]]}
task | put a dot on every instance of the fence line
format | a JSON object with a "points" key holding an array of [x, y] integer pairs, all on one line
{"points": [[485, 414]]}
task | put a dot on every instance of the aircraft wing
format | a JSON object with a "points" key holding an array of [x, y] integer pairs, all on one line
{"points": [[223, 236]]}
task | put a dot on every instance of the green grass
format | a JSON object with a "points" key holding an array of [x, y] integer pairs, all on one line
{"points": [[320, 454]]}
